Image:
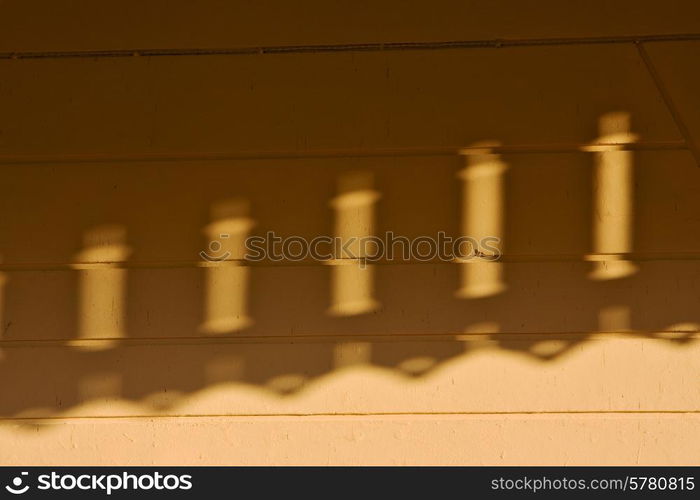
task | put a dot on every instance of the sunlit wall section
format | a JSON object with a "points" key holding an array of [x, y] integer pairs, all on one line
{"points": [[613, 202], [482, 217], [352, 283], [3, 281], [102, 287], [227, 278]]}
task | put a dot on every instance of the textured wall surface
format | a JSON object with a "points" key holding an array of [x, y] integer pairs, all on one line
{"points": [[133, 134]]}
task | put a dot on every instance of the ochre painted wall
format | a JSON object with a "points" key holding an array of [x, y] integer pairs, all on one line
{"points": [[120, 345]]}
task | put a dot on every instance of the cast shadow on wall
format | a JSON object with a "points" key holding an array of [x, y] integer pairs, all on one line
{"points": [[105, 291]]}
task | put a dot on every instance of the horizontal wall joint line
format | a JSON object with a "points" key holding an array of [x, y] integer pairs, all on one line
{"points": [[361, 415], [352, 47], [475, 337], [454, 151], [10, 266]]}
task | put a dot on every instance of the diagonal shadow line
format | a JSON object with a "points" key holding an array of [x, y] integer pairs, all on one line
{"points": [[668, 101]]}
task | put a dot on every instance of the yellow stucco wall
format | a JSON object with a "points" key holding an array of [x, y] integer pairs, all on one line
{"points": [[120, 345]]}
